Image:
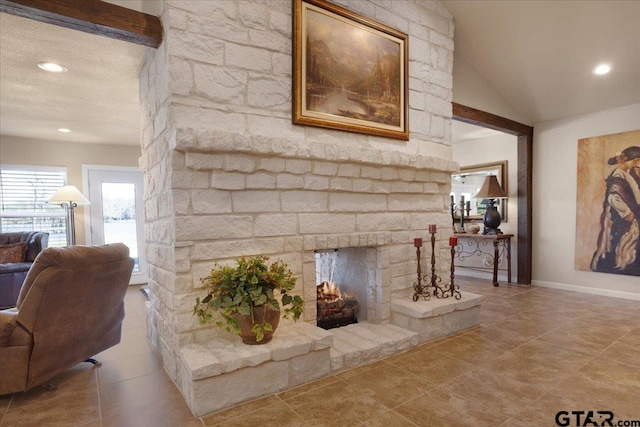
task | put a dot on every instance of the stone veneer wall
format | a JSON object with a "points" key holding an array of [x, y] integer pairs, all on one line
{"points": [[227, 173]]}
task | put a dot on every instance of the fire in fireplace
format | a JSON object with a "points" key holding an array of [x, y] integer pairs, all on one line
{"points": [[335, 308], [338, 307]]}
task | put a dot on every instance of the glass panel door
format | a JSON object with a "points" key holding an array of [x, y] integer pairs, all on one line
{"points": [[117, 213]]}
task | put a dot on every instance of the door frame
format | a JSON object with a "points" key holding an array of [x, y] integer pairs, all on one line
{"points": [[141, 277], [524, 133]]}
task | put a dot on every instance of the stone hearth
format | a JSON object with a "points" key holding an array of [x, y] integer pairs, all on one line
{"points": [[299, 353]]}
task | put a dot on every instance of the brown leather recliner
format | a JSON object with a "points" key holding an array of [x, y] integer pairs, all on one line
{"points": [[70, 308]]}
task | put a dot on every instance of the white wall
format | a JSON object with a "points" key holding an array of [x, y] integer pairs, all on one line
{"points": [[554, 202], [488, 150]]}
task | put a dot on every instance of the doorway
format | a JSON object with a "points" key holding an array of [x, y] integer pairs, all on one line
{"points": [[524, 136], [116, 213]]}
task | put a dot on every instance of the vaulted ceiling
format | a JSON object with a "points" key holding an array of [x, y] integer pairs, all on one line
{"points": [[538, 55]]}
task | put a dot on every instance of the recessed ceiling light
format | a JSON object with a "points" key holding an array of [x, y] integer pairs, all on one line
{"points": [[602, 69], [52, 67], [64, 130]]}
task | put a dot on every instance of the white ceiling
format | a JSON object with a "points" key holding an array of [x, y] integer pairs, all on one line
{"points": [[537, 54]]}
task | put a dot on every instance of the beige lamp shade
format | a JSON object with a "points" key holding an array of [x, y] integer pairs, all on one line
{"points": [[69, 194], [491, 189]]}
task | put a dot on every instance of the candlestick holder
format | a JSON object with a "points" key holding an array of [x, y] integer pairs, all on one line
{"points": [[419, 290], [462, 216], [425, 286], [450, 290]]}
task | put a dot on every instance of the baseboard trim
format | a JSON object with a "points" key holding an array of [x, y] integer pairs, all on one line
{"points": [[587, 290]]}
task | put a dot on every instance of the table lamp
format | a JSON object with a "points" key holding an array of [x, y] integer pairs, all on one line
{"points": [[492, 190]]}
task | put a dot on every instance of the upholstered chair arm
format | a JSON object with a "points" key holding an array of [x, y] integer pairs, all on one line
{"points": [[8, 324]]}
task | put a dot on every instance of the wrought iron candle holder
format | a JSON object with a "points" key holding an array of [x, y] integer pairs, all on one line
{"points": [[426, 286], [463, 211], [450, 289]]}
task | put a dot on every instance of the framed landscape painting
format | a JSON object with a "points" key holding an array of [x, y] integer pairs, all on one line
{"points": [[350, 72]]}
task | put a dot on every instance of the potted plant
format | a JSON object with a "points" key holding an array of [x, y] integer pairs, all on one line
{"points": [[245, 296]]}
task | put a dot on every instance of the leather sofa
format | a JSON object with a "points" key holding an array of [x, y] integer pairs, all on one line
{"points": [[70, 308], [12, 275]]}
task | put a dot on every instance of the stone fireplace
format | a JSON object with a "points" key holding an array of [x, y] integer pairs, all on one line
{"points": [[227, 174]]}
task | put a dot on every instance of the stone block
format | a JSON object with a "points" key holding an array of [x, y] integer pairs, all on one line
{"points": [[382, 221], [213, 227], [461, 320], [220, 84], [325, 168], [206, 120], [271, 164], [180, 77], [309, 367], [349, 170], [211, 201], [247, 58], [197, 47], [341, 184], [337, 359], [321, 338], [326, 223], [203, 161], [276, 225], [239, 386], [188, 179], [289, 344], [236, 248], [288, 180], [269, 92], [304, 201], [298, 166], [409, 203], [256, 201], [349, 202], [236, 163], [312, 182], [261, 180], [228, 180]]}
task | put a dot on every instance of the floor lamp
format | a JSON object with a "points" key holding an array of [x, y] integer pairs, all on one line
{"points": [[69, 197], [492, 190]]}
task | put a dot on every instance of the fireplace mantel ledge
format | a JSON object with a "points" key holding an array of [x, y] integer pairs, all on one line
{"points": [[232, 143], [224, 355], [422, 309]]}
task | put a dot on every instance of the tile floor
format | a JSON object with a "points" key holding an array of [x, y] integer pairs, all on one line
{"points": [[538, 351]]}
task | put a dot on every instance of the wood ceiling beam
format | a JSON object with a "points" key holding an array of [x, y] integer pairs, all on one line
{"points": [[91, 16]]}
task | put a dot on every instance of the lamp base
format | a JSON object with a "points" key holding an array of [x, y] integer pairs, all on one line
{"points": [[492, 219], [491, 231]]}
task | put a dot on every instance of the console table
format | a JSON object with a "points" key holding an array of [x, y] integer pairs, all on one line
{"points": [[479, 245]]}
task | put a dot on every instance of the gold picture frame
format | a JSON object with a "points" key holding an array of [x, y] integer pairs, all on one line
{"points": [[350, 72]]}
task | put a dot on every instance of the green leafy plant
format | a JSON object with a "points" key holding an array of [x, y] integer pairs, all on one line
{"points": [[251, 283]]}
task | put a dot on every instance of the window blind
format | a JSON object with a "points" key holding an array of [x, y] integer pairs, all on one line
{"points": [[24, 192]]}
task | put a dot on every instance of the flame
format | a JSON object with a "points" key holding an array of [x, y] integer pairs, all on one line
{"points": [[330, 290]]}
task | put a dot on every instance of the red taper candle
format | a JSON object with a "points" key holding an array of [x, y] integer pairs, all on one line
{"points": [[453, 241], [417, 242], [432, 228]]}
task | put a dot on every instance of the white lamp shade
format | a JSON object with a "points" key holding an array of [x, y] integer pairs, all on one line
{"points": [[69, 194]]}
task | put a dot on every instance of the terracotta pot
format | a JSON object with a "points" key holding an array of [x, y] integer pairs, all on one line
{"points": [[246, 323]]}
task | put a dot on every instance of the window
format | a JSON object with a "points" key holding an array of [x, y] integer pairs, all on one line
{"points": [[24, 191]]}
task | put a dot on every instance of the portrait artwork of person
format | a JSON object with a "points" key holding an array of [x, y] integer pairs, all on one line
{"points": [[618, 249]]}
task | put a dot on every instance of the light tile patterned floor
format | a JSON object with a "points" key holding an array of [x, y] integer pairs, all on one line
{"points": [[538, 351]]}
